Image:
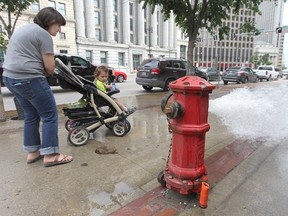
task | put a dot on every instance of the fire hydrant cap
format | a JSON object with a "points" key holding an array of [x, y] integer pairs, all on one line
{"points": [[191, 83]]}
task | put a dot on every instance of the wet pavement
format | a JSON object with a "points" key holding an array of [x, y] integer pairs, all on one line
{"points": [[251, 182]]}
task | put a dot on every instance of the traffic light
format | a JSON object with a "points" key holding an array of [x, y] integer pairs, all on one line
{"points": [[279, 30]]}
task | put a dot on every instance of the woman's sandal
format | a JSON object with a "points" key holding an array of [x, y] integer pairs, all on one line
{"points": [[38, 157], [64, 160]]}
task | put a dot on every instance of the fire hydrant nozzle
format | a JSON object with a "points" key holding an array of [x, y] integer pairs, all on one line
{"points": [[173, 110]]}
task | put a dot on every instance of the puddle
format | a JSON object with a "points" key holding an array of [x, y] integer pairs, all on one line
{"points": [[103, 199]]}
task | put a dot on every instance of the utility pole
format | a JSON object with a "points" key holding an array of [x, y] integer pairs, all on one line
{"points": [[150, 30]]}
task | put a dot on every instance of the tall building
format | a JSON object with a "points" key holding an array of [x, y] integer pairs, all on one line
{"points": [[269, 41], [121, 33], [235, 49]]}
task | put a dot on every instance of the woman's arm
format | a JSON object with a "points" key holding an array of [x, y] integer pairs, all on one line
{"points": [[49, 63]]}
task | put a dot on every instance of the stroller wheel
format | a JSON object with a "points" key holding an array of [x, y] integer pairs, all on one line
{"points": [[128, 125], [78, 136], [120, 128], [69, 124]]}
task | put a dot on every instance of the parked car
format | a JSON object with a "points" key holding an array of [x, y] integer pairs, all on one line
{"points": [[159, 72], [120, 76], [239, 75], [209, 73], [285, 73], [79, 66], [267, 72]]}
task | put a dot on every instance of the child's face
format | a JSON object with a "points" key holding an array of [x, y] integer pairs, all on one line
{"points": [[103, 76]]}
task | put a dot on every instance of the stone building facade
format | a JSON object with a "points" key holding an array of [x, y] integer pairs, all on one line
{"points": [[122, 34]]}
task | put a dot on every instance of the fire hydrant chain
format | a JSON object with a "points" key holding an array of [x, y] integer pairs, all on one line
{"points": [[170, 148]]}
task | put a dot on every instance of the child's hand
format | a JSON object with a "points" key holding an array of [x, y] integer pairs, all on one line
{"points": [[108, 87]]}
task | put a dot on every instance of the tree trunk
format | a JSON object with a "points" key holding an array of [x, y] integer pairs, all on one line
{"points": [[191, 43], [2, 110]]}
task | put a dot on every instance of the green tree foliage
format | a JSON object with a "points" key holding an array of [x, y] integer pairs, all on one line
{"points": [[192, 15], [255, 61], [262, 60], [265, 59], [11, 10]]}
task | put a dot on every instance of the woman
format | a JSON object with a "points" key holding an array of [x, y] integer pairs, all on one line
{"points": [[29, 59]]}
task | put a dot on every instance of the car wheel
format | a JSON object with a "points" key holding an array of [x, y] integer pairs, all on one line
{"points": [[120, 78], [225, 82], [268, 78], [245, 80], [166, 87], [147, 88]]}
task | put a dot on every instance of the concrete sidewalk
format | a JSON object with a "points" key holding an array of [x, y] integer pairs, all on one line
{"points": [[247, 178]]}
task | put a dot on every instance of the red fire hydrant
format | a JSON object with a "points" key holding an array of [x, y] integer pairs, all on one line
{"points": [[187, 112]]}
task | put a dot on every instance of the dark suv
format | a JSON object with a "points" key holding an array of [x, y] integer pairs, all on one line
{"points": [[159, 72]]}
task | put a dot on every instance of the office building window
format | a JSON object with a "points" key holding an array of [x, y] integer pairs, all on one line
{"points": [[131, 9], [52, 4], [115, 8], [182, 51], [62, 8], [89, 55], [63, 51], [103, 57], [35, 6], [131, 24], [121, 57], [98, 34], [131, 38], [97, 18], [62, 36], [96, 3], [115, 21], [116, 36]]}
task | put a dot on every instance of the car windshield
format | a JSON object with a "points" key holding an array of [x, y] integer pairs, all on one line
{"points": [[202, 69], [265, 68], [150, 63], [233, 69]]}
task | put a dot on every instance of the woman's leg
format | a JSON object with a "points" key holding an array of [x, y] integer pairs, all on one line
{"points": [[36, 97], [22, 90], [45, 104]]}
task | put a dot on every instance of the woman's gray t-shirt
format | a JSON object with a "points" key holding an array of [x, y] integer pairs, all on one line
{"points": [[24, 53]]}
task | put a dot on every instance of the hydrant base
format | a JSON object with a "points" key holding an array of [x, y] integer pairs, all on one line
{"points": [[184, 186]]}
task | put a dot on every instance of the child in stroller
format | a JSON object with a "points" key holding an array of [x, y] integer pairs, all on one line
{"points": [[100, 109], [101, 76]]}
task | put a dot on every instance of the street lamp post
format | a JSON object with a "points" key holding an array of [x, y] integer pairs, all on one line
{"points": [[150, 30]]}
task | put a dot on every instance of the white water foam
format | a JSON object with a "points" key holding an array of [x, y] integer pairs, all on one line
{"points": [[259, 113]]}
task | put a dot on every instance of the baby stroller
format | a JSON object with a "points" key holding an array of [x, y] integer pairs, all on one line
{"points": [[99, 108]]}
